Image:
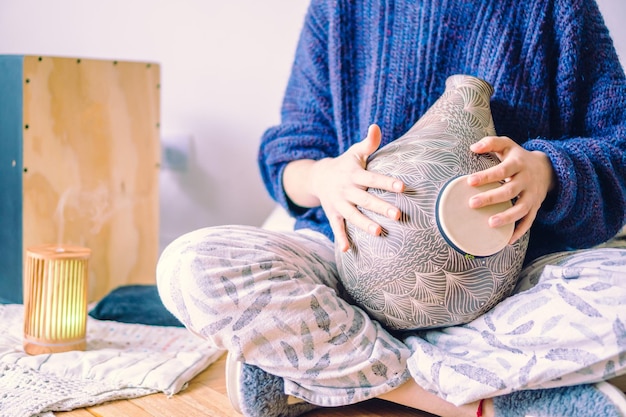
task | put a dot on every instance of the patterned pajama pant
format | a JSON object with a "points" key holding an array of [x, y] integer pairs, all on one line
{"points": [[274, 299]]}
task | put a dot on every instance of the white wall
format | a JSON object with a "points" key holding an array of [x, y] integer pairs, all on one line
{"points": [[614, 12], [224, 67]]}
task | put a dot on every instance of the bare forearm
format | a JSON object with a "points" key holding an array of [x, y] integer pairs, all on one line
{"points": [[297, 183]]}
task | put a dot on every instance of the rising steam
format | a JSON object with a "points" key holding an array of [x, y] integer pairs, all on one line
{"points": [[91, 209]]}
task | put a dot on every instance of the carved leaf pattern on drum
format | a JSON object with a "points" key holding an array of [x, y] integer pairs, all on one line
{"points": [[410, 277]]}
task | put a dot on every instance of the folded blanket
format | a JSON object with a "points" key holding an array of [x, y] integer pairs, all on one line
{"points": [[121, 361]]}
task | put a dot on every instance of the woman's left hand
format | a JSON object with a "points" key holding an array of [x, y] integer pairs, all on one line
{"points": [[527, 175]]}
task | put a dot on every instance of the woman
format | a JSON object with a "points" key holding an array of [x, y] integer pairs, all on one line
{"points": [[369, 70]]}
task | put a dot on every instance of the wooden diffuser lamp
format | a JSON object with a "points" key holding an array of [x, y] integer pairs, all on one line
{"points": [[55, 299]]}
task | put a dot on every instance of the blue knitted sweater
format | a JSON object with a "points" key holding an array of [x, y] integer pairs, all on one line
{"points": [[559, 88]]}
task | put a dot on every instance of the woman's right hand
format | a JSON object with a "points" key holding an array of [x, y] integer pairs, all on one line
{"points": [[340, 184]]}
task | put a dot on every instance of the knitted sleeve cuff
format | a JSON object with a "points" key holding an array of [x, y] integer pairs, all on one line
{"points": [[277, 151], [562, 198], [281, 196]]}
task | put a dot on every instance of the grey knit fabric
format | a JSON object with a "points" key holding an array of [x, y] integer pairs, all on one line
{"points": [[578, 401], [263, 395]]}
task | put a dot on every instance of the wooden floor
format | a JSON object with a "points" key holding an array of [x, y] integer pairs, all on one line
{"points": [[206, 396]]}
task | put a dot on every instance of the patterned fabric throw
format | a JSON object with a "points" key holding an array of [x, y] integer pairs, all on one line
{"points": [[121, 361]]}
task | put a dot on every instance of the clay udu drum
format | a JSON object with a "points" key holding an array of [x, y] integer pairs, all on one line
{"points": [[441, 264]]}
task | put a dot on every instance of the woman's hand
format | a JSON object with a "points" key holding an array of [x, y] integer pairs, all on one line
{"points": [[527, 175], [340, 184]]}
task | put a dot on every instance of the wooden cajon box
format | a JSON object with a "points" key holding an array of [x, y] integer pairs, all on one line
{"points": [[79, 162]]}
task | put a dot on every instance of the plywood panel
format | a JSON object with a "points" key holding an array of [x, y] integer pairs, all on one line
{"points": [[91, 159]]}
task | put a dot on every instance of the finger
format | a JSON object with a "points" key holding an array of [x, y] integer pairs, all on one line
{"points": [[368, 179], [521, 228], [355, 217], [523, 211], [338, 226], [504, 148], [369, 145], [508, 216], [373, 203], [506, 192], [497, 173], [497, 144]]}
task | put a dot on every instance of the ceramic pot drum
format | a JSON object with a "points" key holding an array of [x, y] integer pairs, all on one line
{"points": [[440, 264]]}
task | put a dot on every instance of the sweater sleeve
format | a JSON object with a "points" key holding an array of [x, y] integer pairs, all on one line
{"points": [[588, 205], [306, 130]]}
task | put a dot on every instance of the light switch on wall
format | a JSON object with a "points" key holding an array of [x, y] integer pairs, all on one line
{"points": [[175, 152]]}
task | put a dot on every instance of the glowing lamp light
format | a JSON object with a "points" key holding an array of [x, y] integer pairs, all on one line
{"points": [[55, 299]]}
